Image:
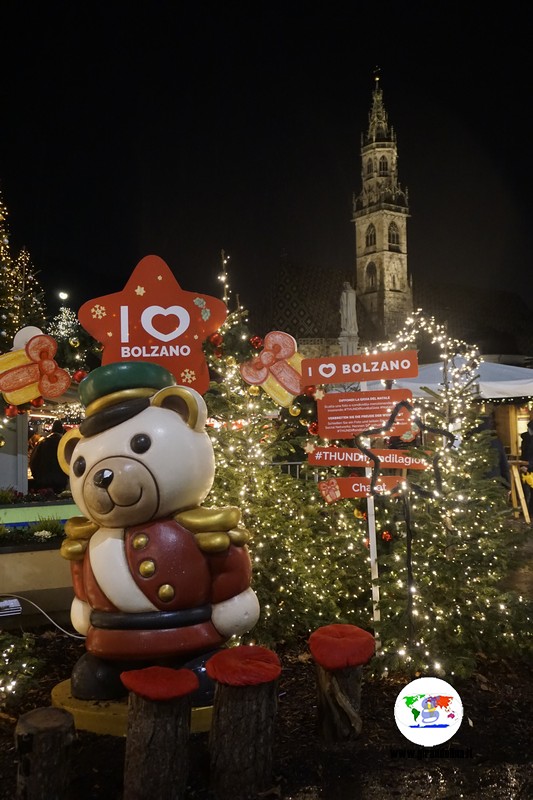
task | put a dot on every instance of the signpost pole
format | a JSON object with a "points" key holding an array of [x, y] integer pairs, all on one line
{"points": [[373, 549]]}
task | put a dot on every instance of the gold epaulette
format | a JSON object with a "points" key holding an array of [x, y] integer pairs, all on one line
{"points": [[215, 529], [80, 528], [78, 531]]}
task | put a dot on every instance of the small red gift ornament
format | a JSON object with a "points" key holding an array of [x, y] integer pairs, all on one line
{"points": [[329, 490], [29, 370], [277, 368]]}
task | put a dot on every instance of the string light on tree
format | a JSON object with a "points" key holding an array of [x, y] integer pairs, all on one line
{"points": [[21, 296], [224, 278]]}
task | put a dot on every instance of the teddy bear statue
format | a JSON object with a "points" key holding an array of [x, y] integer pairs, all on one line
{"points": [[158, 579]]}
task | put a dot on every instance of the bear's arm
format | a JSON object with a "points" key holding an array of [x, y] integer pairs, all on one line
{"points": [[231, 573]]}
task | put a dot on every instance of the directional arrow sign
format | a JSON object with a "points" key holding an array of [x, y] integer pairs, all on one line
{"points": [[353, 457], [374, 367], [337, 488]]}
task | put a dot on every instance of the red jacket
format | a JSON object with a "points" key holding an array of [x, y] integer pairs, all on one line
{"points": [[176, 576]]}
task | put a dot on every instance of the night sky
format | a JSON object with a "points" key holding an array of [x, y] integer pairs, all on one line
{"points": [[181, 130]]}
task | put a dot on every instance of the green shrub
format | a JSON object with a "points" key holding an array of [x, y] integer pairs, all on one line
{"points": [[42, 531]]}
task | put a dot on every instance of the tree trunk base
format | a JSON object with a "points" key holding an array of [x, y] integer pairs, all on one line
{"points": [[43, 739], [241, 740], [156, 763], [339, 702]]}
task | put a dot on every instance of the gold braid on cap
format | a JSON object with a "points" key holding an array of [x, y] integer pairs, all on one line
{"points": [[116, 397]]}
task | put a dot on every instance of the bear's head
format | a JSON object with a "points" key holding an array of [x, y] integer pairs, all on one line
{"points": [[142, 456]]}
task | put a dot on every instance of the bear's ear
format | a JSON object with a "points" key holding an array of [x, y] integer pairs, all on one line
{"points": [[66, 447], [186, 402]]}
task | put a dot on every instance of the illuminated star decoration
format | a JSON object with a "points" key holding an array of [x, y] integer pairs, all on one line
{"points": [[154, 320]]}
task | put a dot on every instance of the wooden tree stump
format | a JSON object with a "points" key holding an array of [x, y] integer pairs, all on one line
{"points": [[339, 652], [43, 740], [156, 765], [242, 728]]}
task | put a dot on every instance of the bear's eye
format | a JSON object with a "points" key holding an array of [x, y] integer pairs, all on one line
{"points": [[140, 443], [78, 468]]}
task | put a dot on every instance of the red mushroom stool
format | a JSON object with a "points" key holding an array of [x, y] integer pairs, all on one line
{"points": [[242, 728], [159, 710], [340, 652]]}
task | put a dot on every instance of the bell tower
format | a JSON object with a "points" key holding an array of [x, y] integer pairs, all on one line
{"points": [[380, 214]]}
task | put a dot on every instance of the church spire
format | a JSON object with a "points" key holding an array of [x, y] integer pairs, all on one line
{"points": [[381, 210], [378, 123]]}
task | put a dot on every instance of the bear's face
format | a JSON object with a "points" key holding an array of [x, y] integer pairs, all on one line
{"points": [[145, 468]]}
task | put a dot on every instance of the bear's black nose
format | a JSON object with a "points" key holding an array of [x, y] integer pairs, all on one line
{"points": [[103, 478]]}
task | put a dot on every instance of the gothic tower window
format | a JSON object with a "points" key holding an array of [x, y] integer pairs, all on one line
{"points": [[394, 237], [369, 168], [383, 166], [370, 237], [395, 281], [371, 277]]}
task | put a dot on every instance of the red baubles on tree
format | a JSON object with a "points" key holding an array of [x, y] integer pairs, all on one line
{"points": [[256, 342], [79, 375], [37, 402], [11, 411], [216, 339], [313, 428]]}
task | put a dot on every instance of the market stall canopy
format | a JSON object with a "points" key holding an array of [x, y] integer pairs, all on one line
{"points": [[492, 381]]}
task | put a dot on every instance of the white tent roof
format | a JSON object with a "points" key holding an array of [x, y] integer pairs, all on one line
{"points": [[493, 381]]}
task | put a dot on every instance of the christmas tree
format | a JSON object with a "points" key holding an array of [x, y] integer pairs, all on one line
{"points": [[77, 351], [447, 539], [21, 296]]}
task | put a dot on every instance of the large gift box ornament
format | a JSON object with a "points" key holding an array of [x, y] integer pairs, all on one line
{"points": [[154, 320], [277, 369], [29, 371]]}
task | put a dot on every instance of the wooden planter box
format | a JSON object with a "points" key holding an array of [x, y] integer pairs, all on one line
{"points": [[36, 573]]}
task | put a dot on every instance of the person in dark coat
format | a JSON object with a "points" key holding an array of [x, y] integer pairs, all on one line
{"points": [[501, 467], [526, 446], [44, 466], [526, 454]]}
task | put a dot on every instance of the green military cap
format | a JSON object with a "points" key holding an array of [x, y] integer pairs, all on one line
{"points": [[125, 380]]}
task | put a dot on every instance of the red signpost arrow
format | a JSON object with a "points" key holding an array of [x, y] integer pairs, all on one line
{"points": [[374, 367], [353, 457]]}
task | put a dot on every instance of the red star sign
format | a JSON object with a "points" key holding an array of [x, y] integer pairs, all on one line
{"points": [[152, 319]]}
